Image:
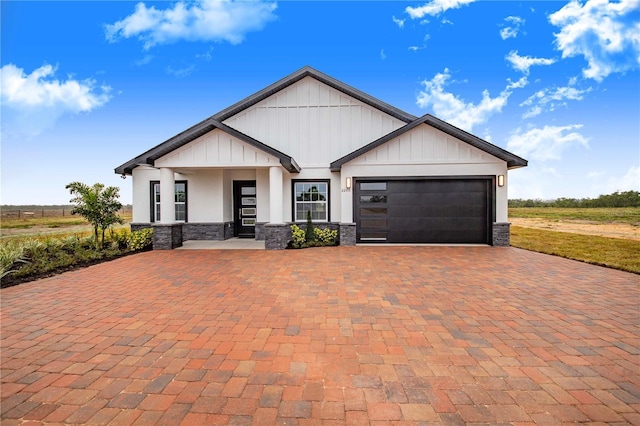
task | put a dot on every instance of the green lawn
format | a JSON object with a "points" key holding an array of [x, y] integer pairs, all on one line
{"points": [[611, 252], [630, 215]]}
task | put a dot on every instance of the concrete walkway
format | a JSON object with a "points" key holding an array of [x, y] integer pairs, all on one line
{"points": [[339, 335]]}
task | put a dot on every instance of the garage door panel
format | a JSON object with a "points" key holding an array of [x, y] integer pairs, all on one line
{"points": [[436, 198], [427, 211]]}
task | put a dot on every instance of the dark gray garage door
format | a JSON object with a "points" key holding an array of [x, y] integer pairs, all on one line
{"points": [[424, 210]]}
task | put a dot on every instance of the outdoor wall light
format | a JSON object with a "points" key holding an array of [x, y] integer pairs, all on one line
{"points": [[347, 183], [500, 180]]}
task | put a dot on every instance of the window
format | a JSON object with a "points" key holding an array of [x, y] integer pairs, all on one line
{"points": [[311, 197], [180, 201]]}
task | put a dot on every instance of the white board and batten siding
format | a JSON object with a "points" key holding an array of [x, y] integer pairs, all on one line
{"points": [[217, 149], [314, 123], [429, 152]]}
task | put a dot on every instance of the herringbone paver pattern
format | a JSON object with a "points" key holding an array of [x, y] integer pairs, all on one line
{"points": [[347, 335]]}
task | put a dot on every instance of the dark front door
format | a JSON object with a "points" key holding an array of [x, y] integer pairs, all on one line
{"points": [[244, 201]]}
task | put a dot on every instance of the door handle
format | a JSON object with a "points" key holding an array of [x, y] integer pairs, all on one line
{"points": [[240, 212]]}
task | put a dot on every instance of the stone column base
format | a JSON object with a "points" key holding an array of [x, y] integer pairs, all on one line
{"points": [[501, 234], [167, 236], [276, 236], [347, 234], [138, 226]]}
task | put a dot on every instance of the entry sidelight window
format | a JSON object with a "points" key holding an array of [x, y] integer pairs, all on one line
{"points": [[311, 197], [180, 201]]}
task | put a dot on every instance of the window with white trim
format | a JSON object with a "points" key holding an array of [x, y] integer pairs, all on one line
{"points": [[311, 196], [180, 201]]}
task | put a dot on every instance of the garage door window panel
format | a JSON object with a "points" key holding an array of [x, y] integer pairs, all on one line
{"points": [[372, 211]]}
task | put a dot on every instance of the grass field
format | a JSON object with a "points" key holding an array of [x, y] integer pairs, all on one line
{"points": [[615, 253], [628, 215], [40, 227]]}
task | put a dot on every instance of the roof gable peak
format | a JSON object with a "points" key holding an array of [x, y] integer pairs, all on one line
{"points": [[308, 71]]}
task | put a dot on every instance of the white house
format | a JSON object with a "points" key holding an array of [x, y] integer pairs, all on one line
{"points": [[312, 143]]}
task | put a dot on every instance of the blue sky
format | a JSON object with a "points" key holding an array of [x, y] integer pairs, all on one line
{"points": [[87, 86]]}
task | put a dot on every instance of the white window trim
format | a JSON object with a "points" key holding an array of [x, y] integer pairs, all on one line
{"points": [[325, 202], [156, 201]]}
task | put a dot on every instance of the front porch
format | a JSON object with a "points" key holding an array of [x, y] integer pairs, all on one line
{"points": [[270, 236]]}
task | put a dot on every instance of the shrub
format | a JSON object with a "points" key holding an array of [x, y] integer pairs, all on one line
{"points": [[140, 239], [298, 236], [321, 237], [33, 248], [326, 236], [10, 255]]}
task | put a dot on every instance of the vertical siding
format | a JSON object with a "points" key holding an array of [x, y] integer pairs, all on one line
{"points": [[217, 148], [424, 145], [314, 123]]}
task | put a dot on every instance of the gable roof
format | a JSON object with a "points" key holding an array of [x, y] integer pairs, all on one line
{"points": [[513, 161], [194, 132], [215, 121], [307, 71]]}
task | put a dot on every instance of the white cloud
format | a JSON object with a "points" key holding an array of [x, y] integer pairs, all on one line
{"points": [[204, 20], [398, 22], [180, 72], [435, 7], [512, 28], [605, 183], [550, 99], [523, 63], [206, 56], [144, 61], [547, 143], [383, 56], [596, 174], [33, 102], [455, 110], [606, 34], [629, 182]]}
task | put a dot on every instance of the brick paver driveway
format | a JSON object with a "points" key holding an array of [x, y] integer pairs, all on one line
{"points": [[360, 335]]}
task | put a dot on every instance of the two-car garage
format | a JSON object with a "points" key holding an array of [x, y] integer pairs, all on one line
{"points": [[424, 210]]}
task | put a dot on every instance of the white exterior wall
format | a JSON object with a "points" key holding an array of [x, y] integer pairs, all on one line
{"points": [[424, 152], [217, 149], [313, 123], [204, 196], [141, 176]]}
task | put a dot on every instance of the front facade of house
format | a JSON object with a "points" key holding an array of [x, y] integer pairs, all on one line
{"points": [[312, 143]]}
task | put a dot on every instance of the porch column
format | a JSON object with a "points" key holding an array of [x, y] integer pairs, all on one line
{"points": [[167, 196], [275, 194], [276, 233]]}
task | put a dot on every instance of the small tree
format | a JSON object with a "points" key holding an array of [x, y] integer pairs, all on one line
{"points": [[97, 204], [309, 234]]}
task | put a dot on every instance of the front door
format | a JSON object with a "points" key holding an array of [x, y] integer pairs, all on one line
{"points": [[244, 200]]}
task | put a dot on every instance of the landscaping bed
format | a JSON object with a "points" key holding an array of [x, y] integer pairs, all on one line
{"points": [[31, 258]]}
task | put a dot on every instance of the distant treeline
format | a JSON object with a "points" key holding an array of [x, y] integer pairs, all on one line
{"points": [[617, 199]]}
